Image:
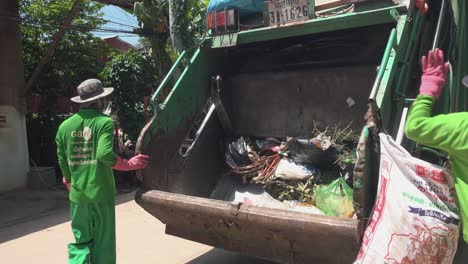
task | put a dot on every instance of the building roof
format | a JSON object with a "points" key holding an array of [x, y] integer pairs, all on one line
{"points": [[116, 42]]}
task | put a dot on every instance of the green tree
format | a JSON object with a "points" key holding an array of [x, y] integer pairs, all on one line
{"points": [[75, 57], [133, 76], [177, 20], [153, 16], [192, 21]]}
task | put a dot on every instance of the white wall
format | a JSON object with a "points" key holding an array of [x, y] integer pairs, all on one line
{"points": [[14, 165], [14, 158]]}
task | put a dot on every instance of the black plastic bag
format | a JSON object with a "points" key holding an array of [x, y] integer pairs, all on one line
{"points": [[301, 151], [237, 152], [267, 144]]}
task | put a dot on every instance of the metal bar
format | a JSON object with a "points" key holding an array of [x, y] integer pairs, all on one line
{"points": [[168, 76], [452, 95], [401, 128], [311, 5], [198, 133], [225, 19], [220, 109], [383, 64], [435, 44], [439, 25], [403, 72], [216, 21]]}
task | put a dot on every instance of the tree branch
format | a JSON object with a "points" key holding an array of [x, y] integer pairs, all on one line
{"points": [[51, 49]]}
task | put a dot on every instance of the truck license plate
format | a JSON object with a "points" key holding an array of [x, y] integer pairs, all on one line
{"points": [[287, 11]]}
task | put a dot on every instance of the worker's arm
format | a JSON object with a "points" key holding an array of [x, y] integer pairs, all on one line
{"points": [[105, 152], [439, 131], [106, 155], [138, 162], [62, 156]]}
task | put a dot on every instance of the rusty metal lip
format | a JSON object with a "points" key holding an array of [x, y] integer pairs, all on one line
{"points": [[142, 196]]}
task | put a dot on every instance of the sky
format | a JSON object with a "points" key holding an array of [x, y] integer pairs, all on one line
{"points": [[119, 20]]}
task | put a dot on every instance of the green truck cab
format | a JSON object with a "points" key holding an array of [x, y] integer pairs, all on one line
{"points": [[276, 81]]}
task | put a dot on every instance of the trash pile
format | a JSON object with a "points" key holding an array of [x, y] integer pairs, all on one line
{"points": [[306, 171], [230, 188]]}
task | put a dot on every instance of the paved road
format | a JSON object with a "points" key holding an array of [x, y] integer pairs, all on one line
{"points": [[140, 239]]}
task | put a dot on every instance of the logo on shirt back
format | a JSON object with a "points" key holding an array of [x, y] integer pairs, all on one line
{"points": [[85, 133]]}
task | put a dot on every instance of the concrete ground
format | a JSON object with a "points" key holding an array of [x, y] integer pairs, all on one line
{"points": [[35, 228]]}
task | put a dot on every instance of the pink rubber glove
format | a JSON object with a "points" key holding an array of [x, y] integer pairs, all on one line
{"points": [[138, 162], [434, 72], [421, 4], [66, 183]]}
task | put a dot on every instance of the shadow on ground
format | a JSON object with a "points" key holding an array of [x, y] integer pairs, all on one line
{"points": [[216, 256], [20, 208]]}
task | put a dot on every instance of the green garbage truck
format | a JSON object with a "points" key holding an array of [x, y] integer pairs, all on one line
{"points": [[328, 61]]}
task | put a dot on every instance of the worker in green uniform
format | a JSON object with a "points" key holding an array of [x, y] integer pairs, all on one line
{"points": [[86, 158], [446, 132]]}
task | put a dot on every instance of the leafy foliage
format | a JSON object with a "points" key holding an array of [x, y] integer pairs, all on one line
{"points": [[291, 190], [133, 76], [153, 16], [75, 58], [192, 23]]}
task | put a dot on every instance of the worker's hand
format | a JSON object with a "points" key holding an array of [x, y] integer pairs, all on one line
{"points": [[421, 4], [434, 72], [66, 183], [136, 163]]}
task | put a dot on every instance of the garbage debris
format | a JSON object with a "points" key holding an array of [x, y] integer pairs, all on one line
{"points": [[289, 170], [237, 153], [291, 190], [255, 195], [416, 217], [258, 197], [304, 151], [350, 101], [322, 141], [335, 199], [303, 207], [346, 161], [310, 170], [246, 160], [271, 144]]}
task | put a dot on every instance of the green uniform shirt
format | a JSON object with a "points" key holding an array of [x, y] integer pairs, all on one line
{"points": [[85, 155], [448, 133]]}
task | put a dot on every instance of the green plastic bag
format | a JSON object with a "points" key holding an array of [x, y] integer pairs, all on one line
{"points": [[335, 199]]}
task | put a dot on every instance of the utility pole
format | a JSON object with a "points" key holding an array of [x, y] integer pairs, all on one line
{"points": [[14, 161]]}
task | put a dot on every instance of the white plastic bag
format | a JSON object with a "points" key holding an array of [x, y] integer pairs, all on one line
{"points": [[288, 170], [415, 218], [256, 196]]}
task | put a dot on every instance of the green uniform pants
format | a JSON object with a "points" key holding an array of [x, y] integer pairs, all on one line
{"points": [[93, 225]]}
